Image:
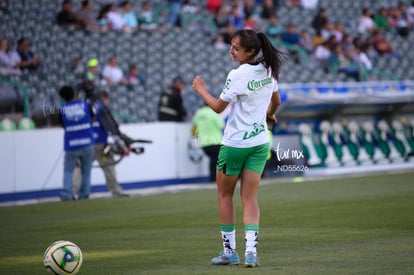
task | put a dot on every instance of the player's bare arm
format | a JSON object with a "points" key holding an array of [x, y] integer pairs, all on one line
{"points": [[218, 105]]}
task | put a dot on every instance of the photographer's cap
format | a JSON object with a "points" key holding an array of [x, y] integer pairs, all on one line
{"points": [[178, 79], [92, 62]]}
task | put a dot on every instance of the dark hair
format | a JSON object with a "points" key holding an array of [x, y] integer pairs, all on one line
{"points": [[178, 79], [21, 40], [67, 93], [272, 57], [103, 94]]}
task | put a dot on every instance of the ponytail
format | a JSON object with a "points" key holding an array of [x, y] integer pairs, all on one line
{"points": [[272, 57]]}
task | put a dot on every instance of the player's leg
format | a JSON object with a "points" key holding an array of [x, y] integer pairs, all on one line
{"points": [[250, 179], [225, 190], [229, 168]]}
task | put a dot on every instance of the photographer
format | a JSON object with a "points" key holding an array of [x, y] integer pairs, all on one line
{"points": [[76, 118], [105, 127]]}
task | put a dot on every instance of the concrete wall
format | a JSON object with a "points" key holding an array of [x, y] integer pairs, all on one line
{"points": [[33, 160]]}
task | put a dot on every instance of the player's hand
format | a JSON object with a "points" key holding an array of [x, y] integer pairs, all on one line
{"points": [[271, 120], [198, 84]]}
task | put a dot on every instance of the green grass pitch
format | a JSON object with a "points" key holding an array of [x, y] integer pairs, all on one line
{"points": [[352, 225]]}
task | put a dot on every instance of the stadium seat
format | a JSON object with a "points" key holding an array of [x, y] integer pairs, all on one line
{"points": [[7, 125], [26, 124], [315, 153]]}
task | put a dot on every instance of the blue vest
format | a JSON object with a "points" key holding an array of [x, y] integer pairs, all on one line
{"points": [[99, 133], [78, 125]]}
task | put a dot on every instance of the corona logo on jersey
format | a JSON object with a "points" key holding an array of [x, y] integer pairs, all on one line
{"points": [[253, 85]]}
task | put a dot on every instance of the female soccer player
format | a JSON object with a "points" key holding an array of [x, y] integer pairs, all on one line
{"points": [[251, 90]]}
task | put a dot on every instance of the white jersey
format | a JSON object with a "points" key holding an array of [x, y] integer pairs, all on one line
{"points": [[248, 89]]}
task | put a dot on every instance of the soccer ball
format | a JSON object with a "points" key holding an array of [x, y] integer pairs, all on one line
{"points": [[63, 257]]}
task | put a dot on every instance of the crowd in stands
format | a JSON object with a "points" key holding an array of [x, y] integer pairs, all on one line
{"points": [[333, 45], [328, 42]]}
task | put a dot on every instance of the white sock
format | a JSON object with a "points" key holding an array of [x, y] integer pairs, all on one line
{"points": [[251, 238], [229, 241]]}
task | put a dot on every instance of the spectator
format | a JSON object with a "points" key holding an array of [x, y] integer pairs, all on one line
{"points": [[381, 45], [305, 41], [213, 6], [292, 38], [274, 29], [249, 8], [219, 43], [130, 18], [189, 7], [112, 73], [317, 39], [410, 14], [228, 33], [362, 58], [8, 61], [146, 18], [328, 30], [221, 18], [309, 4], [347, 46], [250, 23], [66, 18], [322, 55], [103, 20], [208, 127], [76, 118], [87, 17], [236, 18], [267, 10], [170, 106], [319, 20], [381, 19], [343, 64], [116, 19], [403, 25], [174, 8], [25, 58], [338, 31], [92, 72], [365, 24], [135, 76]]}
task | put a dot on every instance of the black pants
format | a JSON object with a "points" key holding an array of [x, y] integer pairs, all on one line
{"points": [[212, 152]]}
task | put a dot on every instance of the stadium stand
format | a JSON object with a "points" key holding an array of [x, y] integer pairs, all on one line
{"points": [[188, 50]]}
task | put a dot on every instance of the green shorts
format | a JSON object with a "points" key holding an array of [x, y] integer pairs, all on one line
{"points": [[233, 160]]}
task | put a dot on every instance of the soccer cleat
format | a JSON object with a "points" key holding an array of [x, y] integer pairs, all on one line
{"points": [[251, 260], [224, 259]]}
